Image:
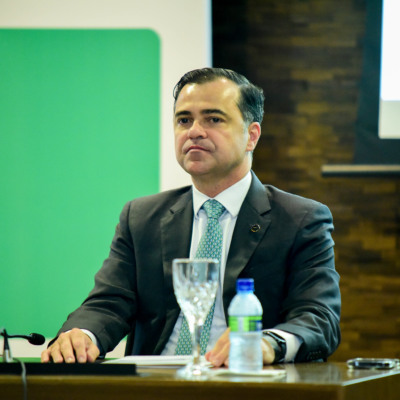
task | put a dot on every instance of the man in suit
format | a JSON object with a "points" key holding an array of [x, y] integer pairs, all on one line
{"points": [[280, 240]]}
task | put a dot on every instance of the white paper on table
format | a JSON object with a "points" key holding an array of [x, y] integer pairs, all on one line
{"points": [[263, 373], [153, 361], [178, 361]]}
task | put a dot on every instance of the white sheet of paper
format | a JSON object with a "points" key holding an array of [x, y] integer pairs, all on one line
{"points": [[262, 373], [152, 360], [178, 361]]}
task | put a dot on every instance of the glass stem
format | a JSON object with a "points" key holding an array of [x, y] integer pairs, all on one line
{"points": [[196, 344]]}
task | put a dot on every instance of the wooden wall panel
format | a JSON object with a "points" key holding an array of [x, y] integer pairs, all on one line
{"points": [[307, 56]]}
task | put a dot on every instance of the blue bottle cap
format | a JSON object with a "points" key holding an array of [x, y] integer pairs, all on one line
{"points": [[245, 285]]}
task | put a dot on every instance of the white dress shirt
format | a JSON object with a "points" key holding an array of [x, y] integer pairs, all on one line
{"points": [[232, 199]]}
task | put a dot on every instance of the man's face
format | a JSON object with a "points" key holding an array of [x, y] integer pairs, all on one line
{"points": [[211, 137]]}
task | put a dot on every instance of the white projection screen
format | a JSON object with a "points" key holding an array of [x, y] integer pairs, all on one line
{"points": [[389, 101]]}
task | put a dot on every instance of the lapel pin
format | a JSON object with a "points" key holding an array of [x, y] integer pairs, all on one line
{"points": [[255, 228]]}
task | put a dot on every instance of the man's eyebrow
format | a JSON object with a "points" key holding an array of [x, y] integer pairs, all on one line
{"points": [[180, 113], [214, 111], [205, 112]]}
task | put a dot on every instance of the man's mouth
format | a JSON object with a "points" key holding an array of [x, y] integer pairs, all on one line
{"points": [[195, 147]]}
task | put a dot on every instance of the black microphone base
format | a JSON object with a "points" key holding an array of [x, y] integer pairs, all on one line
{"points": [[32, 368]]}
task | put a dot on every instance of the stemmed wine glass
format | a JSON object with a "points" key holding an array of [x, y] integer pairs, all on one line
{"points": [[195, 286]]}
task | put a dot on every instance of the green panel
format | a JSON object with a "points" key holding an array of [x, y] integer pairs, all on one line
{"points": [[79, 136]]}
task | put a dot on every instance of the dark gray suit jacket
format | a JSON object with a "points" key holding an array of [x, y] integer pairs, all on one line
{"points": [[290, 256]]}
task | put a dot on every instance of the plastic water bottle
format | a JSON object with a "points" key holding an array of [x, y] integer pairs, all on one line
{"points": [[245, 312]]}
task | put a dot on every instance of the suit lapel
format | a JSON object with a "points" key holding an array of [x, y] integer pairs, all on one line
{"points": [[176, 235], [252, 223]]}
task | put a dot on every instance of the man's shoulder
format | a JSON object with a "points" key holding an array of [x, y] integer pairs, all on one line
{"points": [[279, 198], [281, 195], [162, 200]]}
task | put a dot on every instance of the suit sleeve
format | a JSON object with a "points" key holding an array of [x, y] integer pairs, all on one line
{"points": [[110, 308], [311, 307]]}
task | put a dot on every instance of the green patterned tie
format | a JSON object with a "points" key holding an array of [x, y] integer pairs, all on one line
{"points": [[210, 246]]}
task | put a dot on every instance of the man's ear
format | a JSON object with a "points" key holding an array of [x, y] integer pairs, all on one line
{"points": [[254, 132]]}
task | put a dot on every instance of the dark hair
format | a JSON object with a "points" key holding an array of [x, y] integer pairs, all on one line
{"points": [[251, 102]]}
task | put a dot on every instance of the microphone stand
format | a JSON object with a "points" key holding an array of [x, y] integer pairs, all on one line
{"points": [[7, 357]]}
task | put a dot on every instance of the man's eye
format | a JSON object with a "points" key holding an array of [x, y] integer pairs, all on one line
{"points": [[215, 120], [183, 121]]}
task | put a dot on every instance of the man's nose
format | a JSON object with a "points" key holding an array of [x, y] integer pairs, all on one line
{"points": [[196, 130]]}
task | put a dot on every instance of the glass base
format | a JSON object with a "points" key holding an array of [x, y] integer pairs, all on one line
{"points": [[195, 372]]}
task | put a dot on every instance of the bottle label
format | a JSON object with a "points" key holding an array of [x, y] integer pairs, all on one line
{"points": [[245, 324]]}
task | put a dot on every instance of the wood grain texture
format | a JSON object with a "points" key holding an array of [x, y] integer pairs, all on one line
{"points": [[304, 381]]}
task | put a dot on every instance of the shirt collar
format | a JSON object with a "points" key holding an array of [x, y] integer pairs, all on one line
{"points": [[231, 198]]}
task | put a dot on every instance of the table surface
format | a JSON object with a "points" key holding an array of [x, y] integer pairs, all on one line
{"points": [[303, 381]]}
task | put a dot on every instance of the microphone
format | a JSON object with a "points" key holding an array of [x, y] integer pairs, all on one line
{"points": [[33, 338]]}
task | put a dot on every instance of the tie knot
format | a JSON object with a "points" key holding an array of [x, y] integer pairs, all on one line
{"points": [[213, 208]]}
